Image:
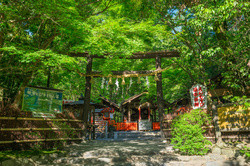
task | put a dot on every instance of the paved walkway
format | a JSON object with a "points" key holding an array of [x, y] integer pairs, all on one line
{"points": [[132, 152]]}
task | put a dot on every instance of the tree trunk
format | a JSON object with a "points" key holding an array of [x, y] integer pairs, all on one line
{"points": [[18, 98], [86, 105]]}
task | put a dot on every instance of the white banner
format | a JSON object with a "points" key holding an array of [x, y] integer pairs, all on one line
{"points": [[198, 95]]}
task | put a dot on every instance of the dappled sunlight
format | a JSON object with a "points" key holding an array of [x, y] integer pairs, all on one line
{"points": [[132, 152]]}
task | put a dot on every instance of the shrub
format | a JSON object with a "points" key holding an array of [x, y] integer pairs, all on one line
{"points": [[187, 133]]}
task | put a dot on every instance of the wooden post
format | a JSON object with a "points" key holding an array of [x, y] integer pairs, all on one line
{"points": [[148, 114], [86, 105], [159, 92], [129, 113], [94, 125], [139, 114]]}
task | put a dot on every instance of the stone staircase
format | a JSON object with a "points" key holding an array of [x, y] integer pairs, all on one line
{"points": [[130, 135]]}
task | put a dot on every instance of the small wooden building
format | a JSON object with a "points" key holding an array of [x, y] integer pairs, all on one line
{"points": [[137, 116]]}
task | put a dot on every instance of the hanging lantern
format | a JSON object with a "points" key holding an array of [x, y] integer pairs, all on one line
{"points": [[123, 81], [139, 80]]}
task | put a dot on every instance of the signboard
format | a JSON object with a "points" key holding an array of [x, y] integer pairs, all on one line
{"points": [[234, 117], [145, 125], [198, 96], [42, 102]]}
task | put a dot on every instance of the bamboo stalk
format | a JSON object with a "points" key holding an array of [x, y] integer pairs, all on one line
{"points": [[39, 140], [38, 129], [38, 119]]}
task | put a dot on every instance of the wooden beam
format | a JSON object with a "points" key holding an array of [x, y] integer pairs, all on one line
{"points": [[39, 119], [139, 55], [38, 129], [40, 140], [132, 72]]}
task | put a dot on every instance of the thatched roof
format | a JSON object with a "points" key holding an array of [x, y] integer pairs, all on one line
{"points": [[110, 103], [129, 100]]}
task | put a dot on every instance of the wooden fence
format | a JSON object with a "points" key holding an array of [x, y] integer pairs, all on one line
{"points": [[232, 124], [26, 132]]}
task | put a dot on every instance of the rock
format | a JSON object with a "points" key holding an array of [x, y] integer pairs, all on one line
{"points": [[60, 160], [221, 144], [35, 158], [107, 160], [214, 163], [169, 149], [176, 150], [215, 157], [240, 146], [25, 161], [164, 141], [184, 158], [228, 152], [74, 154], [87, 155], [216, 150], [53, 155], [241, 160]]}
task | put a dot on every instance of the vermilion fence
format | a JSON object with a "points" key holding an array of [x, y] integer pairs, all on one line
{"points": [[133, 126], [127, 126]]}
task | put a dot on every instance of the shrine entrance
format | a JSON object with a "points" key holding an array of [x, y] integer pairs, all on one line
{"points": [[158, 55]]}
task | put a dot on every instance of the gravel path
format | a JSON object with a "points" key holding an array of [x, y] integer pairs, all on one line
{"points": [[134, 153]]}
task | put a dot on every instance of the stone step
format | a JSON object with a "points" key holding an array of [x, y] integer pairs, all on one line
{"points": [[136, 134]]}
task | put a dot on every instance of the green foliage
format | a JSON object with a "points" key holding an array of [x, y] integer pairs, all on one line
{"points": [[187, 133], [38, 35], [246, 151]]}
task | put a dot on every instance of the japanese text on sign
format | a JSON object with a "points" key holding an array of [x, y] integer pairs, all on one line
{"points": [[199, 96], [42, 102]]}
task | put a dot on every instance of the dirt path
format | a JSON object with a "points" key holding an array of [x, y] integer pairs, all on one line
{"points": [[131, 152]]}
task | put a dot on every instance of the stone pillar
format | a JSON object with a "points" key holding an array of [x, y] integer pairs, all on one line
{"points": [[217, 131]]}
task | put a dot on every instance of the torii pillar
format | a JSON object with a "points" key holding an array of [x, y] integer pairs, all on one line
{"points": [[86, 105], [159, 93]]}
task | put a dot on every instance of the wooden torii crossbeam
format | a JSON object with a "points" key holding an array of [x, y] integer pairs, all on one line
{"points": [[140, 55]]}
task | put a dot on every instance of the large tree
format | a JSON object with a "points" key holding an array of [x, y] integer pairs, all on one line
{"points": [[35, 34]]}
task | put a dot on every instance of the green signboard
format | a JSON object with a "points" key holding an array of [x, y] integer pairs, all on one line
{"points": [[42, 102]]}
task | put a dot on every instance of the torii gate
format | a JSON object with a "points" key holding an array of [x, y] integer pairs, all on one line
{"points": [[140, 55]]}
